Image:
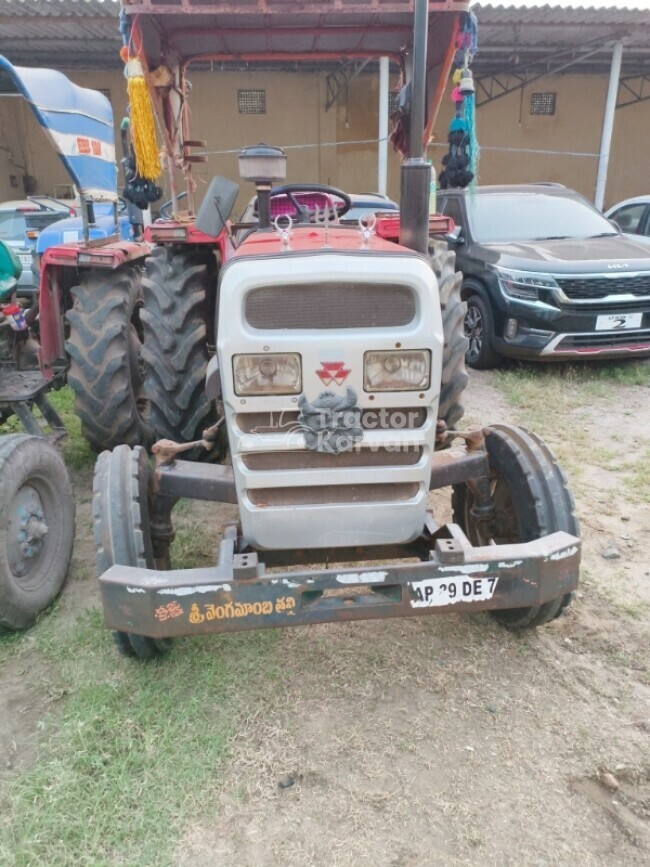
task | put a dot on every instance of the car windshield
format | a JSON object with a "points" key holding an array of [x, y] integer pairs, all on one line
{"points": [[506, 218], [12, 226]]}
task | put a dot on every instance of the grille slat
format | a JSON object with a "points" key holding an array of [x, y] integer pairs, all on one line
{"points": [[585, 288], [408, 418], [328, 305], [333, 494], [308, 460]]}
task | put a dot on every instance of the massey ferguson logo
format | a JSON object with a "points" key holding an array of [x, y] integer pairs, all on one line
{"points": [[333, 372]]}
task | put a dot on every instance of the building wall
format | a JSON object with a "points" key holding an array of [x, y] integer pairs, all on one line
{"points": [[296, 118]]}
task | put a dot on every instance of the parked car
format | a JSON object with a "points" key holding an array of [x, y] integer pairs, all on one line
{"points": [[21, 222], [632, 216], [547, 276]]}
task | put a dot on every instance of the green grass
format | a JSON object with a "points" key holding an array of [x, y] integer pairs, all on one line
{"points": [[135, 751], [76, 451], [637, 478]]}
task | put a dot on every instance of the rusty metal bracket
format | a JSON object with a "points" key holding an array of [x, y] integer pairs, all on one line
{"points": [[237, 594]]}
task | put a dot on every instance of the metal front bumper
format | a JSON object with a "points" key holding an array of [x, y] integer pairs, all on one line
{"points": [[238, 594]]}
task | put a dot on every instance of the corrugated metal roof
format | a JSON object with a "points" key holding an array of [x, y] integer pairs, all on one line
{"points": [[513, 37], [59, 8], [68, 33]]}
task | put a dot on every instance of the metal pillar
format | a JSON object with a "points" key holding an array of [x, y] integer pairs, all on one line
{"points": [[416, 172], [382, 156], [608, 125]]}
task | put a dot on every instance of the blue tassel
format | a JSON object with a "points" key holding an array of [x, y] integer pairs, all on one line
{"points": [[459, 124], [474, 147]]}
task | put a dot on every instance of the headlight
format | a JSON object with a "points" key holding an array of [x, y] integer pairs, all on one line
{"points": [[399, 370], [270, 373], [524, 284]]}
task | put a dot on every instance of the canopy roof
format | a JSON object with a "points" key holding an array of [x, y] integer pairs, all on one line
{"points": [[78, 122]]}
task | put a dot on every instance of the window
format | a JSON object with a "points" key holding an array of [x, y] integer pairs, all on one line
{"points": [[451, 207], [543, 103], [251, 101], [12, 226], [630, 217]]}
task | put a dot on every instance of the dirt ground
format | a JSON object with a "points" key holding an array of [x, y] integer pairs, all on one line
{"points": [[443, 740]]}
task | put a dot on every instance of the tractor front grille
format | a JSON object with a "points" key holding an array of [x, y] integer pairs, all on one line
{"points": [[329, 305]]}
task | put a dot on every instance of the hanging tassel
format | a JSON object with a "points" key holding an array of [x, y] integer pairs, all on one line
{"points": [[143, 128]]}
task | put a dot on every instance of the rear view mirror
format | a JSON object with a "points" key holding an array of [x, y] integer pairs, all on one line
{"points": [[217, 206], [455, 237]]}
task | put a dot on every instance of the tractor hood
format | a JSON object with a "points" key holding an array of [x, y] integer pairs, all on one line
{"points": [[78, 122]]}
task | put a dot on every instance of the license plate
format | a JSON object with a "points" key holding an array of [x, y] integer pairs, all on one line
{"points": [[618, 321], [26, 260], [436, 593]]}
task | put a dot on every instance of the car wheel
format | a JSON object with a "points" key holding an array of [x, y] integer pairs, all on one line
{"points": [[479, 330]]}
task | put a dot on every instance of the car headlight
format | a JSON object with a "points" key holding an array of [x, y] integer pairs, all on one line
{"points": [[397, 370], [270, 373], [524, 284]]}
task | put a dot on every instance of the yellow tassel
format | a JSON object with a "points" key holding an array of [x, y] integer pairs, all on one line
{"points": [[143, 128]]}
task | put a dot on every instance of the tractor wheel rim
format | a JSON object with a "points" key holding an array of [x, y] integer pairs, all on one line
{"points": [[27, 534]]}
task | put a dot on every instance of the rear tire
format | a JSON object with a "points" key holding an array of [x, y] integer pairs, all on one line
{"points": [[104, 346], [454, 375], [532, 500], [37, 521], [122, 529], [178, 288]]}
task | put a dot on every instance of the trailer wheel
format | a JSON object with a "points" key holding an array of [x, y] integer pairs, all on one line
{"points": [[532, 500], [37, 518], [178, 288], [122, 528], [104, 345], [454, 375]]}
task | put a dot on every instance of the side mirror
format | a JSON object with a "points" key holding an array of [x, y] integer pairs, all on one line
{"points": [[217, 206], [456, 237]]}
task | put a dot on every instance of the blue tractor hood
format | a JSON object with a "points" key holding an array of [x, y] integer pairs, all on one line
{"points": [[78, 122]]}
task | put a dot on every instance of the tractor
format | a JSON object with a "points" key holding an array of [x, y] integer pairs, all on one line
{"points": [[37, 512], [326, 359]]}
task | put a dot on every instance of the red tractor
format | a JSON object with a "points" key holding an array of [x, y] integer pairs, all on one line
{"points": [[328, 358]]}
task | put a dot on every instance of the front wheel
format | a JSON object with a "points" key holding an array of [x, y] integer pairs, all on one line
{"points": [[122, 492], [479, 331], [531, 499], [37, 518]]}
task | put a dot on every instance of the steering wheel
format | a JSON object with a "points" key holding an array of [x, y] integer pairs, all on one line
{"points": [[302, 213]]}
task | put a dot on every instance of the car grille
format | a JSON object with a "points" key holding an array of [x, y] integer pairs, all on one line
{"points": [[330, 305], [334, 494], [586, 288], [605, 341]]}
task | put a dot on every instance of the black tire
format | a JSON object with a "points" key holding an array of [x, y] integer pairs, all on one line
{"points": [[532, 500], [454, 375], [104, 345], [179, 287], [479, 331], [122, 529], [37, 522]]}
